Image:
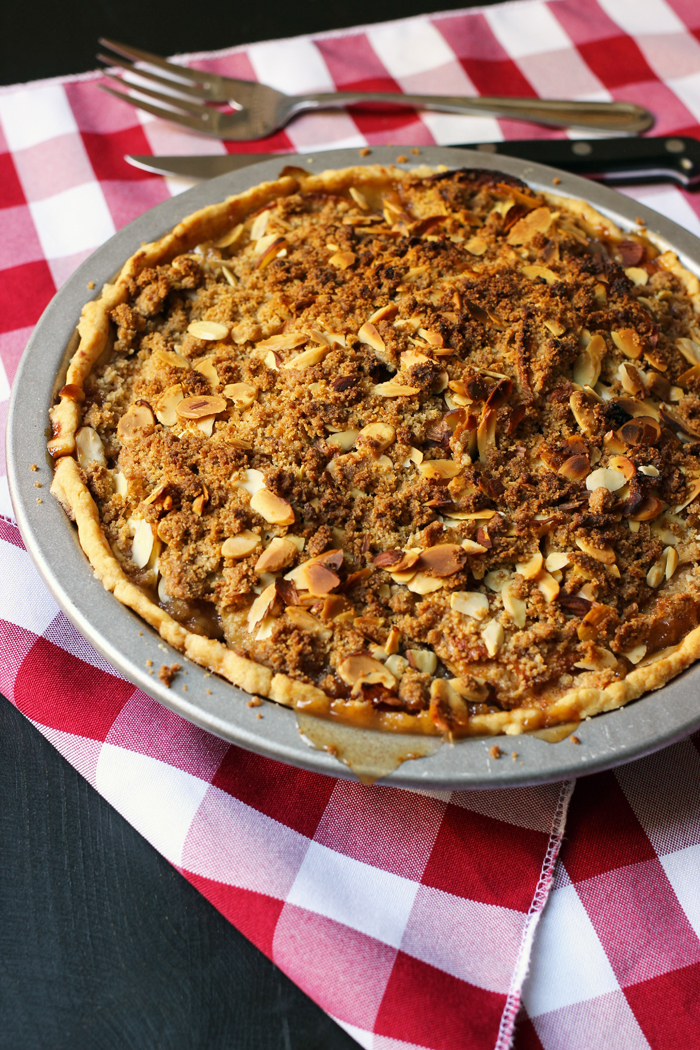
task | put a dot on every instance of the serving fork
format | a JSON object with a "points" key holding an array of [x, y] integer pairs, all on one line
{"points": [[259, 110]]}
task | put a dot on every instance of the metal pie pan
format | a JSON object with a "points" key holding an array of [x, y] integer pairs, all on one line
{"points": [[654, 721]]}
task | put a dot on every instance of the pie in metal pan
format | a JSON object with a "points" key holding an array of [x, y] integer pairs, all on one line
{"points": [[409, 450]]}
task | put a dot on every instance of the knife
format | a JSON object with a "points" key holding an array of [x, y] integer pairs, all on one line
{"points": [[661, 159]]}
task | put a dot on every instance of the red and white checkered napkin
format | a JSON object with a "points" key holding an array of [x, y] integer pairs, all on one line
{"points": [[408, 916]]}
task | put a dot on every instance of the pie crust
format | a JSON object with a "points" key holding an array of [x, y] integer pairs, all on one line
{"points": [[474, 408]]}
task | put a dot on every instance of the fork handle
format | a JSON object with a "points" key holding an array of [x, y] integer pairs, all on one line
{"points": [[599, 116]]}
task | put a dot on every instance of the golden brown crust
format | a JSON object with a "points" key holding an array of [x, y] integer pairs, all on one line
{"points": [[293, 660]]}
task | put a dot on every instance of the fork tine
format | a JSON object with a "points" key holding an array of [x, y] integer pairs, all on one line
{"points": [[171, 100], [164, 114], [136, 55], [129, 67]]}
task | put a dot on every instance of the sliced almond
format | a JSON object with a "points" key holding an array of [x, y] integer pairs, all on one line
{"points": [[394, 389], [547, 586], [605, 478], [142, 543], [631, 379], [515, 607], [288, 341], [587, 367], [424, 584], [651, 508], [342, 260], [201, 405], [423, 660], [170, 359], [472, 547], [379, 435], [89, 447], [636, 275], [599, 659], [134, 419], [689, 349], [671, 561], [694, 490], [439, 468], [557, 560], [272, 360], [272, 508], [536, 270], [486, 432], [359, 198], [625, 466], [209, 330], [583, 412], [397, 665], [280, 553], [409, 358], [232, 237], [536, 221], [344, 439], [493, 637], [368, 334], [257, 230], [242, 394], [497, 579], [605, 555], [359, 670], [555, 328], [205, 424], [575, 468], [529, 569], [306, 358], [470, 603], [166, 406], [206, 368], [637, 653], [240, 546], [476, 245], [432, 337], [270, 247], [444, 559], [261, 606], [688, 376], [384, 313], [121, 485], [252, 481], [627, 341]]}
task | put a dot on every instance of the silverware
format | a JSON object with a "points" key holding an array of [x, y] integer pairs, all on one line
{"points": [[260, 110], [612, 160]]}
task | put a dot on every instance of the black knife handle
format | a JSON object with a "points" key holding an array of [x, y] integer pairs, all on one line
{"points": [[612, 159]]}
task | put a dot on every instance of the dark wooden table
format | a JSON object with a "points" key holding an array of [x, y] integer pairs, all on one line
{"points": [[102, 943]]}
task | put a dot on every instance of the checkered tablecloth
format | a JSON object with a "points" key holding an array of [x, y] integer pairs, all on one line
{"points": [[409, 916]]}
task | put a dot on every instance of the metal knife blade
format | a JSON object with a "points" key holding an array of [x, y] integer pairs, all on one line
{"points": [[672, 158]]}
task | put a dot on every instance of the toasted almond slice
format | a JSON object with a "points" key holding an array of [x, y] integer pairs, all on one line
{"points": [[424, 584], [393, 389], [142, 543], [536, 270], [637, 275], [397, 665], [166, 406], [232, 237], [476, 245], [391, 645], [686, 377], [627, 340], [671, 561], [257, 230], [605, 555], [272, 508], [170, 359], [288, 341], [240, 546], [472, 547], [431, 336], [90, 448], [471, 688], [242, 394], [636, 654], [575, 468], [625, 466], [493, 637], [362, 670], [278, 555], [368, 334], [379, 435], [409, 358], [439, 468], [599, 660], [689, 349], [497, 579], [359, 198], [342, 260], [515, 607], [384, 313], [444, 559], [209, 330], [306, 358], [261, 606], [606, 478], [135, 417], [486, 432], [344, 439], [547, 586], [121, 485], [555, 328], [205, 424], [631, 379], [587, 368], [650, 509], [583, 412], [200, 406], [470, 603], [423, 660], [694, 490], [529, 569], [305, 621], [557, 560], [252, 481], [207, 369], [536, 221]]}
